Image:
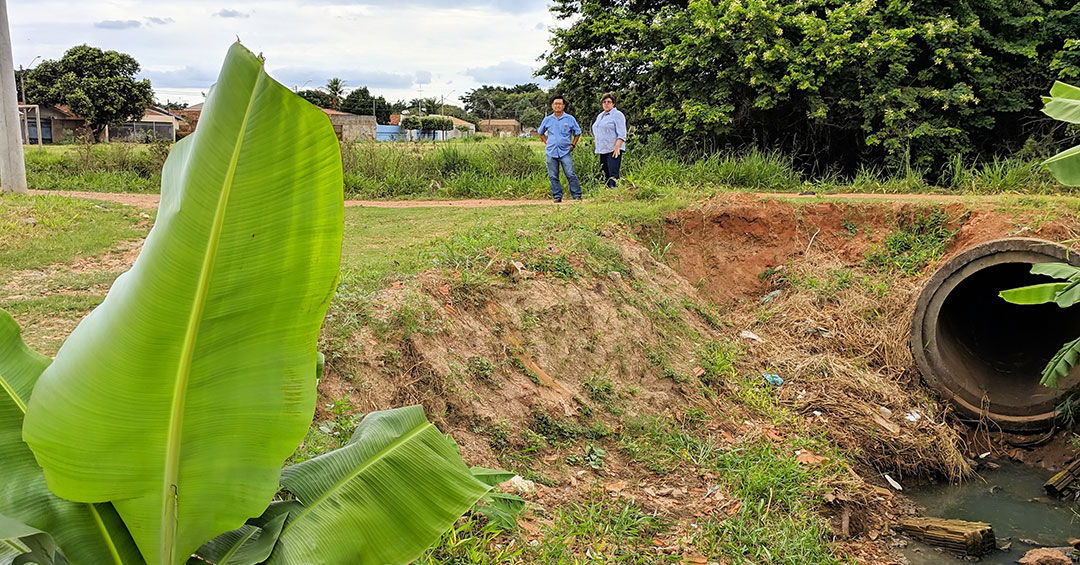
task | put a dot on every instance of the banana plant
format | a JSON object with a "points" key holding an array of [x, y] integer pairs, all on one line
{"points": [[161, 426], [1064, 294]]}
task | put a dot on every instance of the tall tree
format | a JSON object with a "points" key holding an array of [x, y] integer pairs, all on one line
{"points": [[97, 85], [834, 82], [316, 97], [335, 88], [361, 102]]}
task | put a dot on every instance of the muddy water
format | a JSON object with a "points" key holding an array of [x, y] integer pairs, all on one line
{"points": [[1011, 499]]}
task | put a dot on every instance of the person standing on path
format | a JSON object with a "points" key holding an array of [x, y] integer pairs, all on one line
{"points": [[609, 134], [560, 132]]}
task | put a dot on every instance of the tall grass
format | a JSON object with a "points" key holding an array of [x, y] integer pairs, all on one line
{"points": [[113, 167], [515, 168]]}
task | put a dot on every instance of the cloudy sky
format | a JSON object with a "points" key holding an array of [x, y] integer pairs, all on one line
{"points": [[397, 49]]}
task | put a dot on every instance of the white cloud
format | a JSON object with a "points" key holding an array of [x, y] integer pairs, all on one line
{"points": [[117, 24], [506, 73], [448, 47], [226, 13]]}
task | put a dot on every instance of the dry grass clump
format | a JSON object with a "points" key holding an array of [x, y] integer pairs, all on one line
{"points": [[839, 336]]}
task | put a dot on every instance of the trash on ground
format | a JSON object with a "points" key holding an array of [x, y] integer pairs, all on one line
{"points": [[773, 379], [747, 334]]}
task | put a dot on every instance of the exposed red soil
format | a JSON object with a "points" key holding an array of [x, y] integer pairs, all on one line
{"points": [[566, 334]]}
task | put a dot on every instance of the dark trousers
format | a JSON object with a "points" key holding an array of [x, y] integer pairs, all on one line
{"points": [[610, 164]]}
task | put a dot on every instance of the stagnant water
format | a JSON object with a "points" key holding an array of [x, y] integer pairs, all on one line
{"points": [[1011, 499]]}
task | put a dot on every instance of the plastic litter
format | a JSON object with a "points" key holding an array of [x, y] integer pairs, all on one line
{"points": [[747, 334], [771, 296], [913, 416], [893, 483], [773, 379]]}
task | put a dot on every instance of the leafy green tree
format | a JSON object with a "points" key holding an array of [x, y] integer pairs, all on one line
{"points": [[361, 102], [506, 102], [531, 118], [316, 97], [335, 89], [833, 81], [97, 85], [411, 122]]}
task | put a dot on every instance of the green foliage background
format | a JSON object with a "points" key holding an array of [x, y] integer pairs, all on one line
{"points": [[95, 84], [834, 83]]}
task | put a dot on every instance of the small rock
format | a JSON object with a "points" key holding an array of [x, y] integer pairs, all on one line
{"points": [[615, 276], [519, 486], [1044, 556], [30, 221], [885, 412]]}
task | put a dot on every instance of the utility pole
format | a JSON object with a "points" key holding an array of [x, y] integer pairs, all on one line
{"points": [[12, 166]]}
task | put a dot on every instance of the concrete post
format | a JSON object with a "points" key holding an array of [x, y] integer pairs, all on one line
{"points": [[12, 166]]}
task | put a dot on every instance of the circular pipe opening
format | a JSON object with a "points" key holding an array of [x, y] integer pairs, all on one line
{"points": [[984, 355]]}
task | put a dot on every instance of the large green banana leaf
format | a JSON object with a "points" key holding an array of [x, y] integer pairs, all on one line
{"points": [[1064, 104], [383, 498], [90, 534], [1034, 294], [182, 394]]}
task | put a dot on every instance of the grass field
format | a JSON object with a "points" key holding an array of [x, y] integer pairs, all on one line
{"points": [[514, 168]]}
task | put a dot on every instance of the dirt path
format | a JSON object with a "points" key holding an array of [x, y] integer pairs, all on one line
{"points": [[151, 200]]}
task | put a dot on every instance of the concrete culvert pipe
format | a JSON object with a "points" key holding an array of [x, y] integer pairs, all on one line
{"points": [[984, 355]]}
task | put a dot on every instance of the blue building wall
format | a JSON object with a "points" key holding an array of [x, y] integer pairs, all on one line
{"points": [[389, 133]]}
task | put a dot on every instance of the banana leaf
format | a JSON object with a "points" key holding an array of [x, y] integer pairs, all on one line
{"points": [[1034, 294], [180, 397], [248, 545], [88, 534], [1063, 271], [384, 497], [1063, 103], [1065, 166], [1061, 363]]}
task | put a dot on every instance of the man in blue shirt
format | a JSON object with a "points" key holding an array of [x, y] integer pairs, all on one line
{"points": [[560, 133], [609, 134]]}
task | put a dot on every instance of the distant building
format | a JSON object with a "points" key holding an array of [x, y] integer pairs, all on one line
{"points": [[500, 128], [190, 117], [351, 127], [156, 123], [58, 124]]}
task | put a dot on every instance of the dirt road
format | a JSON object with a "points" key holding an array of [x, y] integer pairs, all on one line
{"points": [[151, 200]]}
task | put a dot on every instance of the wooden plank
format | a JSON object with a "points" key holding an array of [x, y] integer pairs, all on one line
{"points": [[1065, 481], [959, 536]]}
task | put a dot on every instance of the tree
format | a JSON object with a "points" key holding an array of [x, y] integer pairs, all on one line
{"points": [[506, 102], [531, 118], [833, 82], [316, 97], [335, 89], [97, 85], [362, 103]]}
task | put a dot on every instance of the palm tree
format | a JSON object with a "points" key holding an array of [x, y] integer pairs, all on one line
{"points": [[335, 87]]}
